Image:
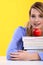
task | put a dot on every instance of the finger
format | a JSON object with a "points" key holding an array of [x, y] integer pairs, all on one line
{"points": [[12, 53], [20, 50], [13, 56], [14, 59], [16, 53]]}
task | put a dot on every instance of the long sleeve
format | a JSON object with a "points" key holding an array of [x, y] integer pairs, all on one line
{"points": [[17, 44], [16, 40], [41, 55]]}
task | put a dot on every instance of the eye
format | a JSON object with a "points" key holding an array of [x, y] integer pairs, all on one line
{"points": [[33, 16], [41, 16]]}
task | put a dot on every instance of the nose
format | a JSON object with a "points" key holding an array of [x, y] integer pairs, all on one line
{"points": [[36, 19], [37, 22]]}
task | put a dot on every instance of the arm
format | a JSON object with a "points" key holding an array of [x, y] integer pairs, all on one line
{"points": [[13, 45], [41, 55], [24, 55]]}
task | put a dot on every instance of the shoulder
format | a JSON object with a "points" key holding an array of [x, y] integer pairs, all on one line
{"points": [[20, 30]]}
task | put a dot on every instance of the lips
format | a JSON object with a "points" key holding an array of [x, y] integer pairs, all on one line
{"points": [[36, 24]]}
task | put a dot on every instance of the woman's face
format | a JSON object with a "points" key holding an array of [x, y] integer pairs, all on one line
{"points": [[36, 19]]}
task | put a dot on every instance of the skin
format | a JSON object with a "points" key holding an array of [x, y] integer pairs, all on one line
{"points": [[23, 55], [36, 19]]}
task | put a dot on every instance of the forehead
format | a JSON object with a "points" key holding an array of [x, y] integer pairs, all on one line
{"points": [[35, 11]]}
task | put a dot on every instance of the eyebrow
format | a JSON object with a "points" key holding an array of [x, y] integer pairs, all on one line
{"points": [[39, 14]]}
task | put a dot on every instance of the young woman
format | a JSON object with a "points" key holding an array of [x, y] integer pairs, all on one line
{"points": [[16, 49]]}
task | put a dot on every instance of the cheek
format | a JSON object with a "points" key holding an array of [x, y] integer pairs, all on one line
{"points": [[41, 22], [32, 20], [41, 25]]}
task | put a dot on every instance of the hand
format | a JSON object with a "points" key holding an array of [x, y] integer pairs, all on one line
{"points": [[20, 55], [24, 55]]}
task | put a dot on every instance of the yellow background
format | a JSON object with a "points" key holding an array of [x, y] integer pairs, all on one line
{"points": [[13, 13]]}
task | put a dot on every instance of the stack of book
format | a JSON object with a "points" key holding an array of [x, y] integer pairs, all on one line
{"points": [[33, 43]]}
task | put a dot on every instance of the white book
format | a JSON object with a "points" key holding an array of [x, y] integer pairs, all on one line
{"points": [[33, 43]]}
